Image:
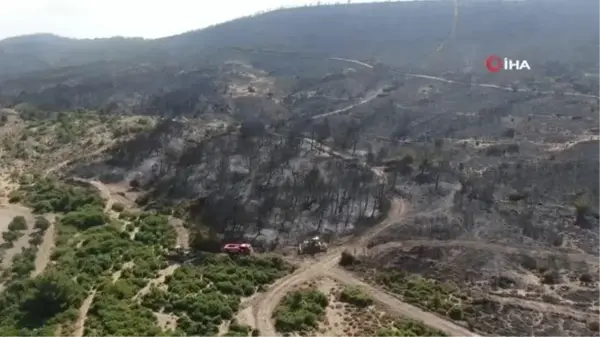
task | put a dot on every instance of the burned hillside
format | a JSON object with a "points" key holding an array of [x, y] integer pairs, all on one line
{"points": [[243, 181]]}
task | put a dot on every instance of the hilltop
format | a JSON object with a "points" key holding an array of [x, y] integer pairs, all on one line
{"points": [[379, 31]]}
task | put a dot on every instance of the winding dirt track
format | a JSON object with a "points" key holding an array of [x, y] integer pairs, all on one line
{"points": [[83, 311], [69, 161], [352, 61], [326, 265], [494, 86], [339, 111], [42, 258]]}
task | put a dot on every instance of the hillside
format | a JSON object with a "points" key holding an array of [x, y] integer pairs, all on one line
{"points": [[379, 31], [388, 184], [39, 52]]}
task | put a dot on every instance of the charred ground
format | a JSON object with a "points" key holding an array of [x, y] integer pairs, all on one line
{"points": [[485, 188]]}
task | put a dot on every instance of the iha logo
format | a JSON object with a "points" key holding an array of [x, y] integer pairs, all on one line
{"points": [[495, 63]]}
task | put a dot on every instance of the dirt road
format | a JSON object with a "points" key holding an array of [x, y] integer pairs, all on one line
{"points": [[183, 235], [365, 100], [441, 79], [267, 302], [494, 86], [105, 193], [398, 209], [112, 198], [326, 265], [160, 279], [352, 61], [398, 307], [42, 258], [83, 310], [79, 327], [69, 161]]}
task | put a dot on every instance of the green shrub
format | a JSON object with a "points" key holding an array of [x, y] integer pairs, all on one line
{"points": [[46, 196], [207, 293], [41, 223], [15, 197], [425, 293], [11, 236], [24, 262], [236, 329], [36, 239], [355, 296], [28, 304], [228, 288], [87, 254], [300, 311], [155, 230], [85, 218], [18, 223]]}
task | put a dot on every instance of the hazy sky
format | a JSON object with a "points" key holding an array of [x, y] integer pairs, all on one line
{"points": [[146, 18]]}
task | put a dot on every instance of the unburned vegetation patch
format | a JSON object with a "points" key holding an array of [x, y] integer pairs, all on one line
{"points": [[110, 263], [32, 307], [92, 254], [47, 195], [352, 312], [208, 292], [355, 296], [98, 252], [300, 311], [113, 314], [444, 298]]}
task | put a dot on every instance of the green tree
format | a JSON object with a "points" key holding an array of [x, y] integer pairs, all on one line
{"points": [[18, 223], [41, 223], [11, 236], [51, 294]]}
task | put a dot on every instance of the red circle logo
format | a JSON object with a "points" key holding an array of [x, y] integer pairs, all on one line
{"points": [[494, 63]]}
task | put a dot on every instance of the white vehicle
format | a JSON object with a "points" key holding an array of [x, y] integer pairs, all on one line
{"points": [[312, 246]]}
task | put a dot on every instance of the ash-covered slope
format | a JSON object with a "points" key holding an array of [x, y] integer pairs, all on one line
{"points": [[251, 180]]}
